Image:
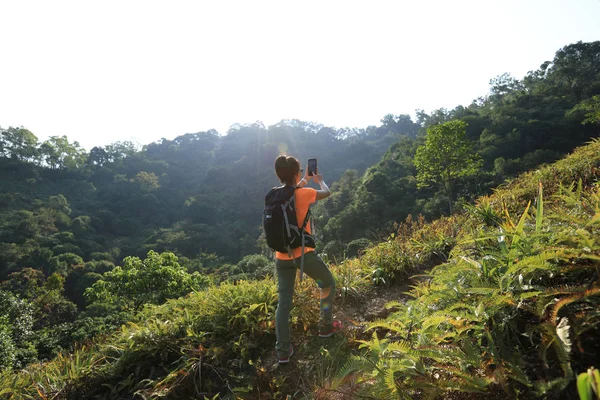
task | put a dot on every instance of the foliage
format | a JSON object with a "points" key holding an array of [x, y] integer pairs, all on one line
{"points": [[446, 156], [351, 279], [148, 181], [7, 347], [197, 345], [514, 295], [588, 384], [253, 266], [590, 108], [522, 287], [414, 246], [16, 324], [18, 144], [519, 125], [357, 246], [150, 281]]}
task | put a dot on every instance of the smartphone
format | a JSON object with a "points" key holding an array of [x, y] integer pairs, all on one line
{"points": [[312, 166]]}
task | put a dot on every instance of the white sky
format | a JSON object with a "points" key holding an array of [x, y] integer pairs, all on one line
{"points": [[104, 71]]}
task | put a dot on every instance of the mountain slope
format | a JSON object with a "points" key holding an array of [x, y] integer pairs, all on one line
{"points": [[512, 270]]}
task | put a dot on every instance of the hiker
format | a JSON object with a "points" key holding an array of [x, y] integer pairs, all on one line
{"points": [[289, 172]]}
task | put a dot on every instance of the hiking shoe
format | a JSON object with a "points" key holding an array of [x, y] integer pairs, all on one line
{"points": [[335, 327], [287, 359]]}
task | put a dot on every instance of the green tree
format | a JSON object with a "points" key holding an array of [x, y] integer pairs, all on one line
{"points": [[148, 181], [118, 151], [446, 156], [7, 346], [51, 306], [58, 153], [575, 70], [590, 108], [254, 266], [18, 143], [16, 323], [504, 88], [154, 280], [342, 193], [27, 283], [98, 156]]}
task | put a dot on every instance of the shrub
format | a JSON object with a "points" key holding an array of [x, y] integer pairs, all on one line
{"points": [[356, 247], [254, 266], [153, 280], [7, 347], [333, 250], [351, 278]]}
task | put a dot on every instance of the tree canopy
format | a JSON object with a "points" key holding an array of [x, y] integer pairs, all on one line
{"points": [[150, 281], [446, 156]]}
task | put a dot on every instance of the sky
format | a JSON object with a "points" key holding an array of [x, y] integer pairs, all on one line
{"points": [[105, 71]]}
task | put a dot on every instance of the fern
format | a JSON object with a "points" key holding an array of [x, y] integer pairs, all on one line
{"points": [[574, 297]]}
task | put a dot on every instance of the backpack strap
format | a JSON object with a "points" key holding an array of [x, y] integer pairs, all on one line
{"points": [[287, 223], [304, 224], [302, 257]]}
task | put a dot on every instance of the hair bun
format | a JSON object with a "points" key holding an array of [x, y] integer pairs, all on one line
{"points": [[282, 161], [286, 168]]}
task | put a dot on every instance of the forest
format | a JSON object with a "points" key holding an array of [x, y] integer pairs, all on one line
{"points": [[131, 271]]}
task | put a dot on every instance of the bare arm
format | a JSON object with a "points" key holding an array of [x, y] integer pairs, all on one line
{"points": [[324, 192], [304, 181]]}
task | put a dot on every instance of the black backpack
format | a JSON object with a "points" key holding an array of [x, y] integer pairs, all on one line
{"points": [[281, 227]]}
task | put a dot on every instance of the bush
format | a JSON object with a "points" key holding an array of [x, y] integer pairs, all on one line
{"points": [[7, 347], [254, 266], [356, 247], [333, 250], [150, 281]]}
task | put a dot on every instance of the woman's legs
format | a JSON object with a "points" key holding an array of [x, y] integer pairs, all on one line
{"points": [[318, 270], [286, 277]]}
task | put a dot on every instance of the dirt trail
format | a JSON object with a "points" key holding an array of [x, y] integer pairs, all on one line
{"points": [[371, 305]]}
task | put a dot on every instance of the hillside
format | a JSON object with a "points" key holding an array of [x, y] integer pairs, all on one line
{"points": [[510, 308], [93, 241]]}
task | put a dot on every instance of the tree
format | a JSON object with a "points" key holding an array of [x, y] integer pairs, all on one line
{"points": [[17, 143], [400, 124], [504, 88], [118, 151], [575, 70], [16, 322], [51, 306], [590, 108], [26, 282], [154, 280], [342, 193], [58, 153], [7, 347], [148, 181], [254, 266], [98, 156], [446, 156]]}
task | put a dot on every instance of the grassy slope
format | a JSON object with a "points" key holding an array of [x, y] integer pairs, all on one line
{"points": [[221, 340]]}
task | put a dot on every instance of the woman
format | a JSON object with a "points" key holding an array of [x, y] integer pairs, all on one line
{"points": [[289, 172]]}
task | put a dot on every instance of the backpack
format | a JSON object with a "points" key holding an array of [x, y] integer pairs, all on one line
{"points": [[280, 224]]}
